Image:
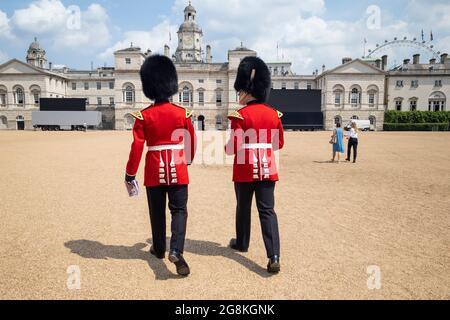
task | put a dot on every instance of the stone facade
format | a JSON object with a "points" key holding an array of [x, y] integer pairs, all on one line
{"points": [[356, 89]]}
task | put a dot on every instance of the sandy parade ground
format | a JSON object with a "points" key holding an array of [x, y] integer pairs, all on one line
{"points": [[63, 205]]}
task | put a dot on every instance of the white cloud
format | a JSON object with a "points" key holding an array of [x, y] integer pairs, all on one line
{"points": [[5, 29], [3, 57], [65, 27], [154, 39]]}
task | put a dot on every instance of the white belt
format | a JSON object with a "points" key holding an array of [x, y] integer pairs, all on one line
{"points": [[166, 147], [257, 146]]}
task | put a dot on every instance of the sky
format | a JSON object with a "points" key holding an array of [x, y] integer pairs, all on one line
{"points": [[309, 33]]}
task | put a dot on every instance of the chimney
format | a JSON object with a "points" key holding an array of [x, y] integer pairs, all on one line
{"points": [[432, 61], [406, 61], [208, 54], [50, 65], [378, 63], [323, 68], [317, 72], [416, 58], [384, 60], [444, 57], [166, 50], [346, 60]]}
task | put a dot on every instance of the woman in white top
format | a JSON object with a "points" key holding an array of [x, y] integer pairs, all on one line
{"points": [[352, 142]]}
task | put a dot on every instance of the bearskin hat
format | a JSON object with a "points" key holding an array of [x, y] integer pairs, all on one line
{"points": [[159, 78], [253, 76]]}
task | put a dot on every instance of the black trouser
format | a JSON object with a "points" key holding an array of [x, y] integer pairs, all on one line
{"points": [[352, 142], [178, 196], [264, 191]]}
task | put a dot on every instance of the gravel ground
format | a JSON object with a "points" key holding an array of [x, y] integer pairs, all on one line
{"points": [[63, 203]]}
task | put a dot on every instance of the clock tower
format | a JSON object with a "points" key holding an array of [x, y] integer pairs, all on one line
{"points": [[189, 38]]}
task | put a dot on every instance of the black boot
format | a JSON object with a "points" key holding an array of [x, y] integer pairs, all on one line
{"points": [[158, 255], [233, 245], [274, 264], [182, 267]]}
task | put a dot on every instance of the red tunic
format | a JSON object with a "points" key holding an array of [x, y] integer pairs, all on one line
{"points": [[256, 133], [170, 136]]}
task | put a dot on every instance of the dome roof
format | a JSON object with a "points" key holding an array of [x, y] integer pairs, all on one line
{"points": [[35, 45], [189, 26], [190, 8]]}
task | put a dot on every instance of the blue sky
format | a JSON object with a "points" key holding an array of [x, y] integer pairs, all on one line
{"points": [[310, 33]]}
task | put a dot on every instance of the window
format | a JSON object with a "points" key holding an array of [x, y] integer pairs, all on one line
{"points": [[86, 86], [337, 98], [111, 85], [74, 86], [218, 98], [398, 105], [371, 99], [128, 60], [99, 101], [129, 94], [308, 86], [2, 99], [436, 102], [186, 95], [414, 83], [275, 71], [337, 120], [355, 118], [111, 101], [283, 85], [201, 98], [355, 97], [296, 86], [20, 98], [399, 83], [36, 97], [218, 81], [99, 86], [373, 122], [438, 83], [201, 80], [413, 105]]}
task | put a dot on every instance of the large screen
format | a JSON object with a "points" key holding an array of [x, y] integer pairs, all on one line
{"points": [[62, 104], [301, 108]]}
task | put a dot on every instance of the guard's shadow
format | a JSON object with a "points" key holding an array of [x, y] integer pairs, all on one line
{"points": [[140, 251]]}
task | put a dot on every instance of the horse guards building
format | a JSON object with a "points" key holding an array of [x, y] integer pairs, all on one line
{"points": [[356, 89]]}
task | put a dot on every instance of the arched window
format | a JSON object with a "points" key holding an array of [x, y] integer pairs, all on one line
{"points": [[337, 119], [373, 122], [338, 92], [185, 96], [35, 94], [19, 96], [372, 96], [129, 94], [355, 97], [129, 121], [3, 95], [3, 122]]}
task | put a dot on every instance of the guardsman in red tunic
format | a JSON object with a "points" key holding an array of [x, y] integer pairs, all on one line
{"points": [[169, 135], [256, 132]]}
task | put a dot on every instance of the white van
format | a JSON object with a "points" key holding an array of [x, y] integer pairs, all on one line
{"points": [[363, 125]]}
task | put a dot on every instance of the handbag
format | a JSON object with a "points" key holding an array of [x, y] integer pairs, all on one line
{"points": [[333, 140]]}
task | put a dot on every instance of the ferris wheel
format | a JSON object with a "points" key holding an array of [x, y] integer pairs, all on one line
{"points": [[405, 42]]}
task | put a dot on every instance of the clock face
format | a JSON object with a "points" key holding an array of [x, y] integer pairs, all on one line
{"points": [[189, 41]]}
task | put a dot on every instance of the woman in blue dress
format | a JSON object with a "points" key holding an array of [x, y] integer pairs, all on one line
{"points": [[338, 142]]}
